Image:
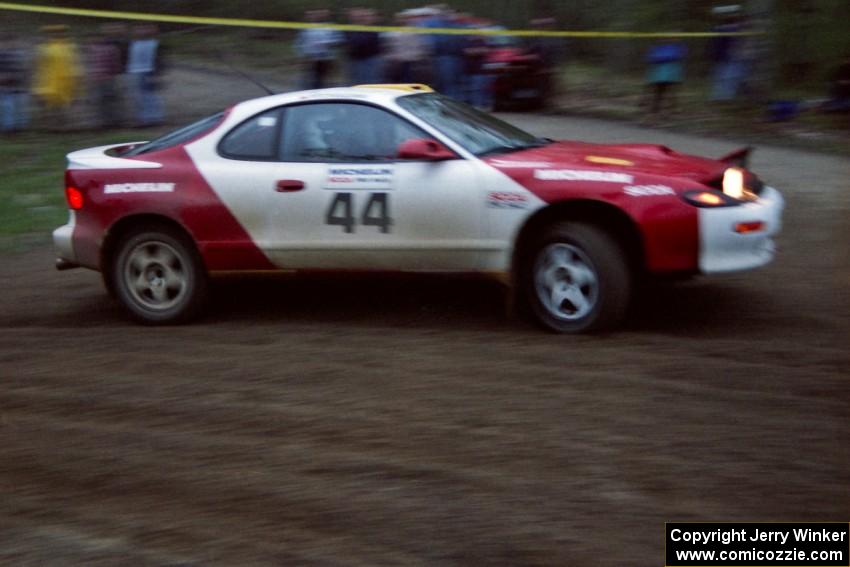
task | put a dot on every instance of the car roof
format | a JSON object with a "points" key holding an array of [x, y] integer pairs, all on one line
{"points": [[381, 94]]}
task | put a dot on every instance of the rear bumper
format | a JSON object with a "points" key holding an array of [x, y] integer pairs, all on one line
{"points": [[64, 244], [722, 249]]}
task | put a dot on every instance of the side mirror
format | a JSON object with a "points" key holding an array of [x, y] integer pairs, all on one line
{"points": [[423, 149]]}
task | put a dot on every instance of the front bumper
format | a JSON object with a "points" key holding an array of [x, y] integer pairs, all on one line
{"points": [[64, 244], [722, 249]]}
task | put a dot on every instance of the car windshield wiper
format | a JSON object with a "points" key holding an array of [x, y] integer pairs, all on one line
{"points": [[502, 149], [507, 148], [539, 143]]}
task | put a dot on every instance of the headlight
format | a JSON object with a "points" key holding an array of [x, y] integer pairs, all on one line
{"points": [[709, 198], [738, 187], [734, 185], [733, 182]]}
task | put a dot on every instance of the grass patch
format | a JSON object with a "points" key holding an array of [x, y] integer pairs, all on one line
{"points": [[32, 197]]}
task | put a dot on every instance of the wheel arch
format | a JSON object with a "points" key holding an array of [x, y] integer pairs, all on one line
{"points": [[126, 224], [611, 218], [191, 299]]}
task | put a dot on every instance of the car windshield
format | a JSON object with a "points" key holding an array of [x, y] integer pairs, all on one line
{"points": [[175, 137], [478, 132]]}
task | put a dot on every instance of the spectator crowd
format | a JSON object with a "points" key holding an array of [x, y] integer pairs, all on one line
{"points": [[118, 70], [118, 75], [458, 65]]}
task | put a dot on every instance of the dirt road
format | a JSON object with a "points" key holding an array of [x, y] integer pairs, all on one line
{"points": [[366, 422]]}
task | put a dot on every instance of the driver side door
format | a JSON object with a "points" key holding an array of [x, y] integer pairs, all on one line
{"points": [[343, 200]]}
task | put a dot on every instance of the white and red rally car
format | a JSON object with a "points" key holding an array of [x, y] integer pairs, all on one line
{"points": [[399, 178]]}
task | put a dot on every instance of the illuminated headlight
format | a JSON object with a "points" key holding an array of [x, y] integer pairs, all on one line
{"points": [[734, 186], [709, 198], [733, 182]]}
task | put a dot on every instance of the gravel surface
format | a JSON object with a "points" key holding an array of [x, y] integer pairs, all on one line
{"points": [[373, 422]]}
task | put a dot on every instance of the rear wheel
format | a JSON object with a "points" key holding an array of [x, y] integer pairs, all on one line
{"points": [[575, 278], [158, 276]]}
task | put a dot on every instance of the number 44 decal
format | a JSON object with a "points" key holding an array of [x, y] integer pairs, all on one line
{"points": [[375, 213]]}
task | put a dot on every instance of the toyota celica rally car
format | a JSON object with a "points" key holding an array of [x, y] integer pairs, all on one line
{"points": [[398, 178]]}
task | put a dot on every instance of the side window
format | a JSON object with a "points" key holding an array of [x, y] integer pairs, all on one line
{"points": [[343, 132], [255, 139]]}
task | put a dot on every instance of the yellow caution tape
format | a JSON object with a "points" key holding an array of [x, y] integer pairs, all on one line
{"points": [[237, 22]]}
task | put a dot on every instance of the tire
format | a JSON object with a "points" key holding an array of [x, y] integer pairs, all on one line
{"points": [[158, 276], [575, 278]]}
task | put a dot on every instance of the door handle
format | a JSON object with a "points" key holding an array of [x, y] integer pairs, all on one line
{"points": [[289, 185]]}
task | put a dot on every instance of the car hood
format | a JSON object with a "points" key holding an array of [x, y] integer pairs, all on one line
{"points": [[639, 163]]}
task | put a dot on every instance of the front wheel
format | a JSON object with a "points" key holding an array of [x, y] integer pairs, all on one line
{"points": [[575, 278], [158, 276]]}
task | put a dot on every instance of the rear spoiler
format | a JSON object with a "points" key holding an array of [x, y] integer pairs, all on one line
{"points": [[99, 158], [739, 157]]}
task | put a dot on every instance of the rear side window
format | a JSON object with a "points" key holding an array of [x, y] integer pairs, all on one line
{"points": [[177, 137], [255, 139]]}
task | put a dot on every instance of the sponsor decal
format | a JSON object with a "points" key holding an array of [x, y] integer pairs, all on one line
{"points": [[519, 164], [507, 200], [359, 177], [138, 188], [582, 175], [648, 190], [608, 160]]}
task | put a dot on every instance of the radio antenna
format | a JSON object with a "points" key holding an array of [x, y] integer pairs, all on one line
{"points": [[224, 59]]}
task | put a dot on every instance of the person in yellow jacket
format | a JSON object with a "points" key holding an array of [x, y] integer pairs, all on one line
{"points": [[57, 69]]}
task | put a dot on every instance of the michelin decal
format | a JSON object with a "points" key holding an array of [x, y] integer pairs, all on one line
{"points": [[138, 188], [582, 175], [647, 190], [344, 177]]}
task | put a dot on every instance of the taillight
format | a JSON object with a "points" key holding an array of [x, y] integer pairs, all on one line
{"points": [[74, 197]]}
